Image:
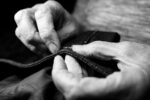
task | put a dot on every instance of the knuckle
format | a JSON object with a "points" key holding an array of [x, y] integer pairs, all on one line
{"points": [[27, 11], [46, 34], [29, 46], [32, 48], [52, 3], [25, 36], [41, 12], [25, 39], [21, 13], [46, 8], [45, 37], [18, 15], [37, 6], [17, 32]]}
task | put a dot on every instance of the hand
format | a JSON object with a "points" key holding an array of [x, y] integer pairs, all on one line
{"points": [[130, 83], [44, 26]]}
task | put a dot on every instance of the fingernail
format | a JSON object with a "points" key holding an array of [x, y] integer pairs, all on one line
{"points": [[66, 57], [53, 48]]}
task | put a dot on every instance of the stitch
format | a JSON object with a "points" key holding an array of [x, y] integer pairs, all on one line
{"points": [[104, 71], [27, 70], [67, 50]]}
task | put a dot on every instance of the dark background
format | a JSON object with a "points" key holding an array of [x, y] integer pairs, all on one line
{"points": [[8, 9], [8, 40]]}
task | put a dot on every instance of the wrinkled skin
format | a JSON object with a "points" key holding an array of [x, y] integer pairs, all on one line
{"points": [[44, 26], [130, 83]]}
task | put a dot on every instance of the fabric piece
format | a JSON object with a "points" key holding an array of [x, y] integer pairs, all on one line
{"points": [[30, 79]]}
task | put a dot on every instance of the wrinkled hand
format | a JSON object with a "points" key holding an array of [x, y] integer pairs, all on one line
{"points": [[44, 26], [130, 83]]}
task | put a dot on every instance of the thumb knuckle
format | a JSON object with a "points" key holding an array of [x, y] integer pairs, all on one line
{"points": [[25, 12], [52, 3], [18, 15]]}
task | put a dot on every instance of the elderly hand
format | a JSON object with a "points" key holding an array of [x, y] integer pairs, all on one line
{"points": [[42, 27], [130, 83]]}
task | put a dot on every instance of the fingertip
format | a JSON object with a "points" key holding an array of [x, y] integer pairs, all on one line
{"points": [[59, 63], [81, 49], [58, 60], [57, 57], [72, 65], [77, 48], [53, 47], [67, 57]]}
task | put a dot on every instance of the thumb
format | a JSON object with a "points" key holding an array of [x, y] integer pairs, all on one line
{"points": [[98, 49]]}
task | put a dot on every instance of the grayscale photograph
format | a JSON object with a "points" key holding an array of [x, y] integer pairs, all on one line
{"points": [[75, 50]]}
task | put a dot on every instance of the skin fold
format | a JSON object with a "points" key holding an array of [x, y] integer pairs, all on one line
{"points": [[44, 26]]}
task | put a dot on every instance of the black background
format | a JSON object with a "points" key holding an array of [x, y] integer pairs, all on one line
{"points": [[9, 8], [8, 40]]}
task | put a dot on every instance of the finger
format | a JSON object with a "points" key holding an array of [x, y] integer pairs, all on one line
{"points": [[63, 79], [131, 53], [114, 85], [58, 60], [73, 66], [45, 25], [23, 40], [26, 28], [18, 16], [120, 83], [98, 49], [27, 32]]}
